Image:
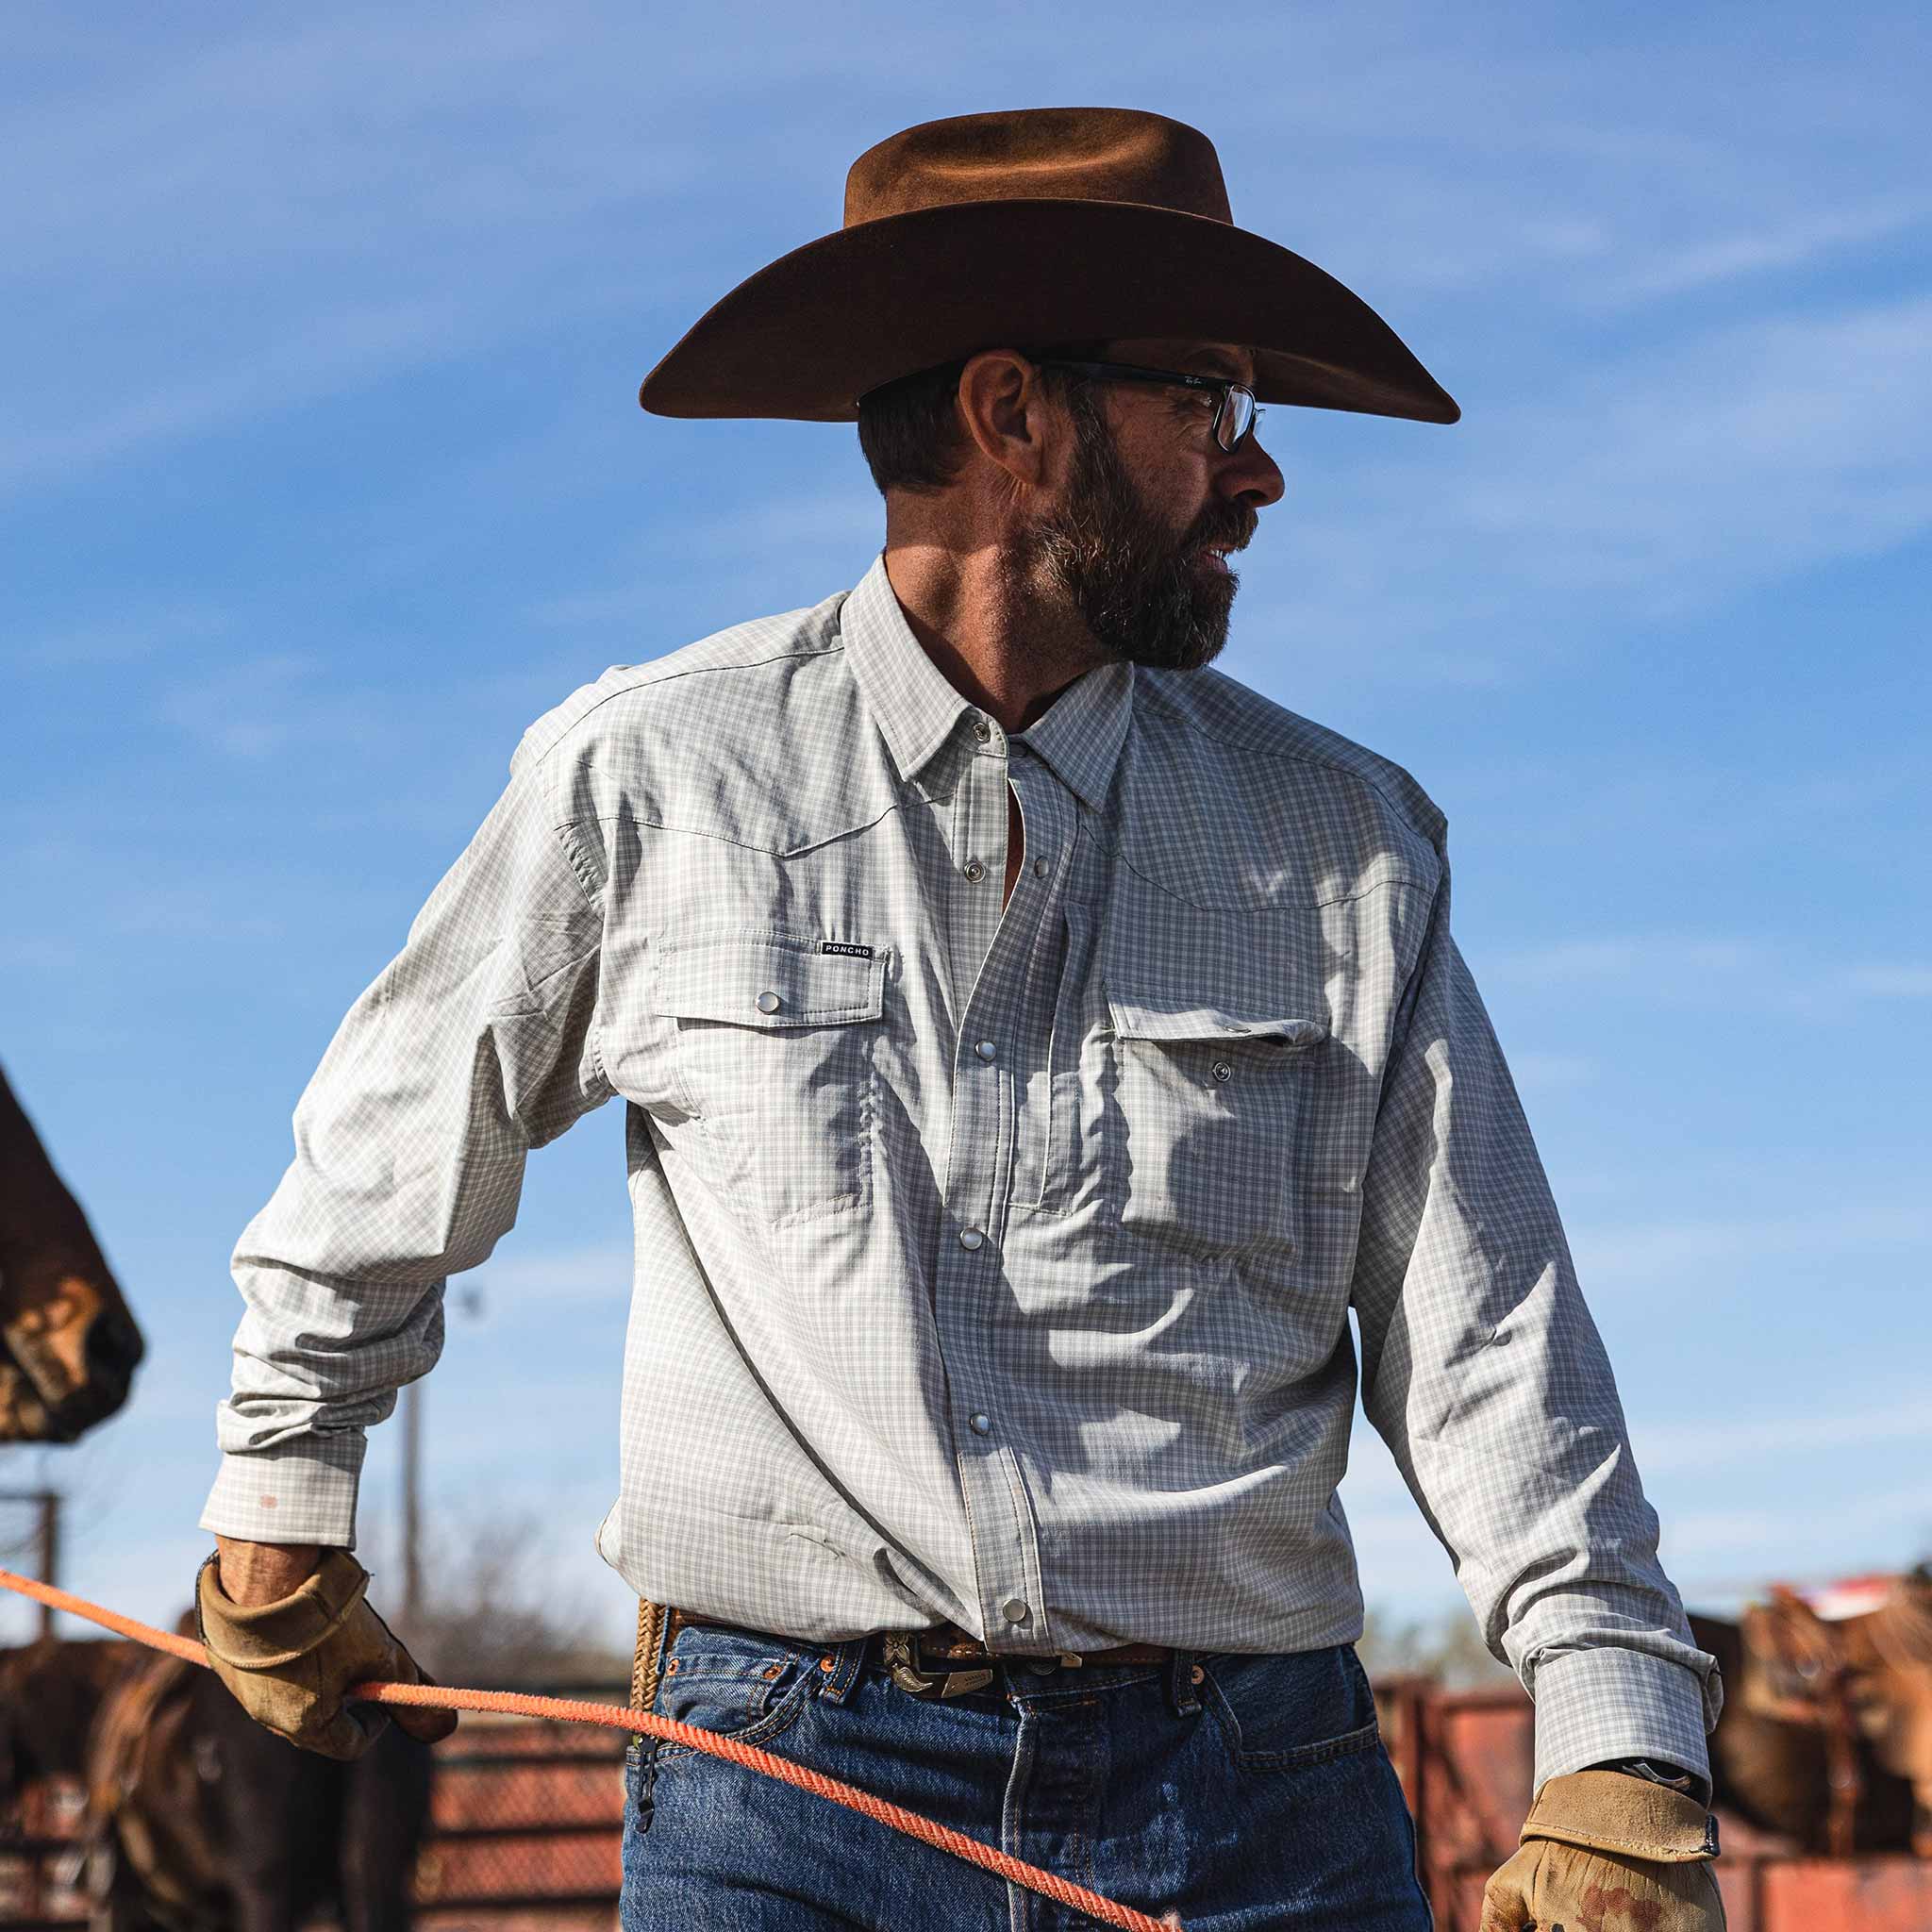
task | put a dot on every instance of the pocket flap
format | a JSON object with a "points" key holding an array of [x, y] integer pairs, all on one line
{"points": [[770, 979], [1144, 1014]]}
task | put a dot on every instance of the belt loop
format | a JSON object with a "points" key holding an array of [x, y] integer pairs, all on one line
{"points": [[846, 1661], [1181, 1695]]}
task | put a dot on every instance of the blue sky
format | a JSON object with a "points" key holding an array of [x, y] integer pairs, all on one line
{"points": [[321, 475]]}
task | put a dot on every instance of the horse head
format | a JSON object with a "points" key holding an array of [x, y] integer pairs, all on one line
{"points": [[68, 1344]]}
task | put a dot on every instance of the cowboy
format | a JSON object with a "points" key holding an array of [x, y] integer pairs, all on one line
{"points": [[1033, 1045]]}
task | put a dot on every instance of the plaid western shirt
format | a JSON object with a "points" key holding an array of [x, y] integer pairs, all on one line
{"points": [[993, 1262]]}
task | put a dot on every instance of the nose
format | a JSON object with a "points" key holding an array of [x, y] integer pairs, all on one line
{"points": [[1251, 475]]}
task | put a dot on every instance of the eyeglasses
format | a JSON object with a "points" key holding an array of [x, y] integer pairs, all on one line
{"points": [[1235, 409]]}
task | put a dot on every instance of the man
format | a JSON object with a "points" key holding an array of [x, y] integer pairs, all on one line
{"points": [[1033, 1045]]}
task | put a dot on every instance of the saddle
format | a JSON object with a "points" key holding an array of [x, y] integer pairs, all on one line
{"points": [[145, 1773], [1816, 1658]]}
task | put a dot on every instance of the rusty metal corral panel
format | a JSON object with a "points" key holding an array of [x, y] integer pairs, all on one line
{"points": [[1466, 1761], [1872, 1893], [525, 1828]]}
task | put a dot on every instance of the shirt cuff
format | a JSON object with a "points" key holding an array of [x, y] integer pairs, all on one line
{"points": [[1606, 1703], [303, 1493]]}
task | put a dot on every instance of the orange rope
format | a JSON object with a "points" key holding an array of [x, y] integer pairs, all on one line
{"points": [[614, 1716]]}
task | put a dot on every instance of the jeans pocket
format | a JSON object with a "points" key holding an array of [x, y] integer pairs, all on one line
{"points": [[1289, 1712], [737, 1684]]}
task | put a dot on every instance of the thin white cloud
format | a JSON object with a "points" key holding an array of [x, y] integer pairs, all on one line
{"points": [[816, 533], [280, 705], [351, 350], [1746, 454], [123, 637], [544, 1278], [1545, 1073], [1891, 982], [1702, 969], [1701, 1255], [1674, 1447], [1798, 243], [1665, 959], [1655, 481]]}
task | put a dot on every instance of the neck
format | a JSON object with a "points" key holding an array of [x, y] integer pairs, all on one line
{"points": [[1001, 644]]}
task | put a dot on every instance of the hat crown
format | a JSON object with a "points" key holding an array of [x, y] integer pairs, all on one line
{"points": [[1040, 154]]}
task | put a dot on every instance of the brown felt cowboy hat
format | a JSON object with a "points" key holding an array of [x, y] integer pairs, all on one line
{"points": [[1036, 226]]}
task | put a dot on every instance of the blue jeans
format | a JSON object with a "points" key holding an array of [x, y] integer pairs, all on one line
{"points": [[1244, 1792]]}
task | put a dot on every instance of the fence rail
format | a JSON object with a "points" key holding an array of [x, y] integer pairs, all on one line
{"points": [[527, 1823]]}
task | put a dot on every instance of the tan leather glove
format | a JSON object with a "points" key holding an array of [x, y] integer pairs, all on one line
{"points": [[289, 1663], [1605, 1851]]}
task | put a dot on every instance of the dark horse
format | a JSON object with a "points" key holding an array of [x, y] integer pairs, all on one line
{"points": [[68, 1345], [197, 1819]]}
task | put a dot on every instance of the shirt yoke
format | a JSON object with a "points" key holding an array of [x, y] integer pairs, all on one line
{"points": [[756, 736]]}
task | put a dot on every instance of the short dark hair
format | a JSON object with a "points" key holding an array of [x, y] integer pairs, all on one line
{"points": [[909, 432]]}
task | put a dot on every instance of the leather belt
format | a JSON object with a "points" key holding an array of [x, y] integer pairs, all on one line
{"points": [[945, 1660]]}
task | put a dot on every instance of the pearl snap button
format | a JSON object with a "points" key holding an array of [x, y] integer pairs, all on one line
{"points": [[768, 1002], [973, 870], [981, 1424], [1014, 1610], [972, 1240], [981, 729], [986, 1049], [1223, 1069]]}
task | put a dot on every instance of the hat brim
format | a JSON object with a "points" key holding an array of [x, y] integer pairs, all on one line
{"points": [[804, 337]]}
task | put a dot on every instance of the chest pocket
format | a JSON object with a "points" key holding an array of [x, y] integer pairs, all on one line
{"points": [[1199, 1133], [775, 1064]]}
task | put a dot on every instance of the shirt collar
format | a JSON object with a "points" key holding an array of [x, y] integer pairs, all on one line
{"points": [[918, 710], [1079, 738]]}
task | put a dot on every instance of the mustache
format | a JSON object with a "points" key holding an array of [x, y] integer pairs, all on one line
{"points": [[1233, 525]]}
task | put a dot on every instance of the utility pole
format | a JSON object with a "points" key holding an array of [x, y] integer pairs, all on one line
{"points": [[469, 1300], [412, 1500], [47, 1541]]}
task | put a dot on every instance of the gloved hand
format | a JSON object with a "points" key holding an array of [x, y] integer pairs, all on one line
{"points": [[289, 1663], [1605, 1851]]}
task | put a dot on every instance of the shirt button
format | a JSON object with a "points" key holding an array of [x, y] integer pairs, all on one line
{"points": [[1041, 868], [768, 1002], [972, 1240], [981, 1424], [973, 870], [1223, 1069], [1015, 1611], [986, 1049], [981, 729]]}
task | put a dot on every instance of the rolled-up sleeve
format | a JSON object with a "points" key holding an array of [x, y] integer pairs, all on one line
{"points": [[1485, 1373], [476, 1043]]}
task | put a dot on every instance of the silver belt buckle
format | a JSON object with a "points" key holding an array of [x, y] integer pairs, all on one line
{"points": [[899, 1662], [901, 1657]]}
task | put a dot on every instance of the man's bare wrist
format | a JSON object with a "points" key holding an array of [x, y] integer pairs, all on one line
{"points": [[254, 1573]]}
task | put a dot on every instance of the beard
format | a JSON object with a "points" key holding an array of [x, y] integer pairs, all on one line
{"points": [[1145, 595]]}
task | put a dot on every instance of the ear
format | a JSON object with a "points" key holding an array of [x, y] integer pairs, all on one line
{"points": [[1010, 418]]}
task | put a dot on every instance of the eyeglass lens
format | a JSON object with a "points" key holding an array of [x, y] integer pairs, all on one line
{"points": [[1237, 417]]}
